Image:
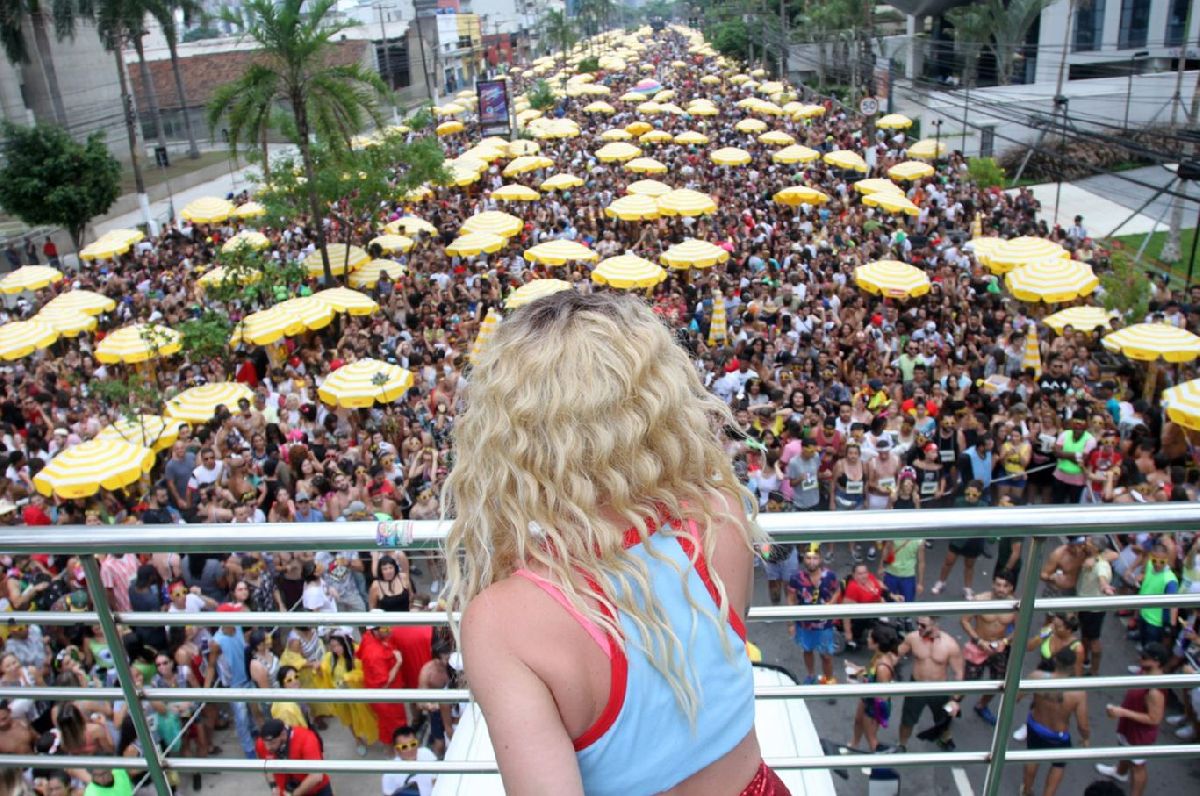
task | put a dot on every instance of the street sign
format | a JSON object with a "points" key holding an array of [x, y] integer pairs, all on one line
{"points": [[868, 106]]}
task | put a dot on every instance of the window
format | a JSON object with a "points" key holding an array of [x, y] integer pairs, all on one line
{"points": [[1089, 26], [1176, 20], [987, 141], [393, 63], [1135, 24]]}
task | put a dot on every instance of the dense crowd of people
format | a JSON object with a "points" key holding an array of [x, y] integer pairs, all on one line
{"points": [[843, 401]]}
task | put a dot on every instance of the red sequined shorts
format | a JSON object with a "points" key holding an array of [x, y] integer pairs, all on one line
{"points": [[765, 783]]}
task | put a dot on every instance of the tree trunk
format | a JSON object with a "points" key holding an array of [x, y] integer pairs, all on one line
{"points": [[151, 94], [130, 119], [37, 21], [266, 155], [193, 149], [314, 209]]}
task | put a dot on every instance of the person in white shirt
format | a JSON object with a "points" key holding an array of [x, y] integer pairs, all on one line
{"points": [[407, 747]]}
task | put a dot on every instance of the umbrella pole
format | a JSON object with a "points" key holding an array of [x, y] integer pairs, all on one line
{"points": [[1148, 388]]}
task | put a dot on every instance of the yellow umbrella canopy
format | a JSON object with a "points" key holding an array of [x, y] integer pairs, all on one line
{"points": [[29, 277], [343, 299], [474, 243], [685, 202], [140, 342], [410, 225], [449, 109], [875, 185], [21, 338], [85, 301], [493, 222], [249, 210], [199, 404], [809, 111], [527, 115], [449, 128], [646, 166], [67, 322], [616, 134], [365, 383], [487, 328], [750, 126], [561, 182], [110, 245], [523, 147], [651, 188], [265, 327], [599, 106], [310, 312], [633, 207], [639, 127], [927, 149], [892, 278], [556, 128], [465, 162], [1154, 341], [560, 252], [730, 156], [846, 159], [218, 275], [702, 110], [526, 163], [656, 137], [459, 175], [1053, 280], [617, 151], [891, 203], [776, 138], [145, 431], [894, 121], [250, 238], [1082, 318], [1016, 252], [691, 138], [910, 170], [628, 271], [1182, 403], [710, 80], [798, 195], [338, 262], [368, 275], [532, 291], [392, 243], [515, 193], [207, 210], [795, 153], [83, 470], [693, 253]]}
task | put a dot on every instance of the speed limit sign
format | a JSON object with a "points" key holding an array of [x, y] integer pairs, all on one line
{"points": [[868, 106]]}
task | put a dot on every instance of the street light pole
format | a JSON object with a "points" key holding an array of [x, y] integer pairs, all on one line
{"points": [[937, 147]]}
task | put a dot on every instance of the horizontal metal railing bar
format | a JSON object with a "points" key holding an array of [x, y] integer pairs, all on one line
{"points": [[784, 527], [839, 690]]}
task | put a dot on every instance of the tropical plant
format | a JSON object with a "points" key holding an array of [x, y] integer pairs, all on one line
{"points": [[541, 96], [1125, 287], [164, 11], [206, 338], [1010, 21], [985, 172], [972, 29], [296, 40], [558, 30], [12, 38]]}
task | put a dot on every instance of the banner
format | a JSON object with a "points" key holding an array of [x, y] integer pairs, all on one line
{"points": [[493, 107]]}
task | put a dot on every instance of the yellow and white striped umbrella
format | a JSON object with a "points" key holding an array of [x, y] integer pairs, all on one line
{"points": [[876, 185], [417, 194], [1014, 253], [199, 404], [561, 182], [29, 277], [493, 222], [487, 328], [266, 327], [1082, 318], [691, 138], [449, 109], [617, 151], [693, 253], [522, 147], [628, 271], [249, 210], [650, 106], [656, 137], [983, 247], [459, 175], [207, 210], [555, 128], [710, 80], [532, 291], [21, 338], [365, 383], [343, 299], [475, 243], [892, 278], [368, 276], [730, 156], [927, 149], [599, 106], [1031, 357], [67, 322], [311, 312], [465, 163], [217, 276], [410, 225], [85, 301], [633, 207], [750, 126], [250, 238], [685, 202], [846, 159], [140, 342], [776, 138], [1182, 403], [338, 262], [111, 244], [144, 431], [485, 153], [702, 109], [560, 252], [1154, 341], [809, 111], [616, 134], [391, 244], [515, 193], [638, 127], [894, 121], [797, 195], [527, 163], [891, 203], [796, 153], [717, 329], [524, 117], [449, 128], [910, 170], [651, 188], [646, 166], [1051, 281], [83, 470]]}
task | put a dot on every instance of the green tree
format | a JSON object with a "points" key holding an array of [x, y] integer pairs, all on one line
{"points": [[50, 178], [296, 40], [207, 338], [1126, 289], [541, 96], [559, 31], [985, 172], [12, 38], [164, 11], [1010, 21]]}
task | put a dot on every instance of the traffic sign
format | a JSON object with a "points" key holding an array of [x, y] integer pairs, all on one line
{"points": [[868, 106]]}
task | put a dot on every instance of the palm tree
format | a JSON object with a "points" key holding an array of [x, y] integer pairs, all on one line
{"points": [[1010, 26], [295, 44], [558, 30], [16, 49], [164, 12], [133, 19]]}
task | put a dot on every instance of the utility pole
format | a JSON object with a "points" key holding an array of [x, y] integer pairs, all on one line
{"points": [[1171, 251], [424, 64], [1060, 101], [386, 64], [139, 181]]}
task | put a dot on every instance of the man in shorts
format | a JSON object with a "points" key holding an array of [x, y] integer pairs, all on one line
{"points": [[815, 584], [934, 652], [990, 640], [968, 549], [1049, 724], [1138, 717]]}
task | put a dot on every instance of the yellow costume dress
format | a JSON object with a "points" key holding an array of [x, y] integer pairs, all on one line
{"points": [[357, 716]]}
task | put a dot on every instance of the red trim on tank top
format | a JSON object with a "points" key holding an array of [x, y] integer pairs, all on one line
{"points": [[688, 543], [617, 683]]}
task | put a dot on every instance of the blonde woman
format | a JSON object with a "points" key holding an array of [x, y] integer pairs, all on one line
{"points": [[602, 557]]}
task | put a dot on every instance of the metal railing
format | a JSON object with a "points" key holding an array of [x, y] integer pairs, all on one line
{"points": [[1035, 524]]}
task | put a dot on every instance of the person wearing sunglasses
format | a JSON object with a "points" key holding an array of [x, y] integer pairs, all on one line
{"points": [[407, 747], [277, 741], [1157, 579]]}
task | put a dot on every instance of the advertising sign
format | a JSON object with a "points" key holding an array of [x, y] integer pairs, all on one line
{"points": [[493, 107]]}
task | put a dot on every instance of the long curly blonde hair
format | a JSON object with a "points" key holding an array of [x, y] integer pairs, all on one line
{"points": [[583, 419]]}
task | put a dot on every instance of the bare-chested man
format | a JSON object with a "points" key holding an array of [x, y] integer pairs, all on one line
{"points": [[436, 673], [933, 653], [16, 736], [990, 638], [1049, 724], [1061, 572]]}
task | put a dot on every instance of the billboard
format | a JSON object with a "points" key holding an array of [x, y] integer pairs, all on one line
{"points": [[493, 107]]}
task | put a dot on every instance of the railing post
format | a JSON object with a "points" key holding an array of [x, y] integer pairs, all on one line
{"points": [[1030, 568], [116, 646]]}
